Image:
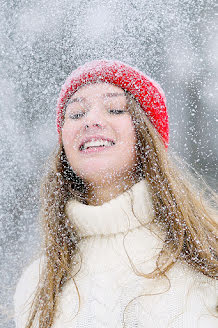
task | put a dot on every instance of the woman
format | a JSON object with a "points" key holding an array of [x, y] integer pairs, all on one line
{"points": [[128, 241]]}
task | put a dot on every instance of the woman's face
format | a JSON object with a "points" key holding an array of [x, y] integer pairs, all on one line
{"points": [[98, 134]]}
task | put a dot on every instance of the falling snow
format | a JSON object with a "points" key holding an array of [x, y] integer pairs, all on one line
{"points": [[41, 42]]}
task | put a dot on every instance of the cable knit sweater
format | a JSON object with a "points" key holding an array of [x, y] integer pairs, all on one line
{"points": [[113, 237]]}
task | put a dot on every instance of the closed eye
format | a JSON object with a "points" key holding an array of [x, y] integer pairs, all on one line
{"points": [[76, 116], [117, 111]]}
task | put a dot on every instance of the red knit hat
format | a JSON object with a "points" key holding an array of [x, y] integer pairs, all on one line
{"points": [[146, 91]]}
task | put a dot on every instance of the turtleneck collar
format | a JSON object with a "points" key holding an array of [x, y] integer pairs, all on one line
{"points": [[119, 215]]}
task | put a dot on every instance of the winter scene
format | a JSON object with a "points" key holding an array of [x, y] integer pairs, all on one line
{"points": [[108, 143]]}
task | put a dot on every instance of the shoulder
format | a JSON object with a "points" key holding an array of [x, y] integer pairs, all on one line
{"points": [[199, 291], [184, 274], [25, 290]]}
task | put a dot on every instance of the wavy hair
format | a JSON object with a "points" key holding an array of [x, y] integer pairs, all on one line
{"points": [[182, 211]]}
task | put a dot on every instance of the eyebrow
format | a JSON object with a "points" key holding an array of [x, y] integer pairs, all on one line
{"points": [[109, 95], [113, 94]]}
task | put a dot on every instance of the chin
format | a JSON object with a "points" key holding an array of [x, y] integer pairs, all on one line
{"points": [[97, 176], [102, 176]]}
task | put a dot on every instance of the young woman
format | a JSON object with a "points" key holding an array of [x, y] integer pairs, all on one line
{"points": [[128, 241]]}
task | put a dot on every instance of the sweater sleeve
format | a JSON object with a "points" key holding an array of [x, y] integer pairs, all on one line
{"points": [[25, 292]]}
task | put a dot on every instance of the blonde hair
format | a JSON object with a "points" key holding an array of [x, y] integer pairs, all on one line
{"points": [[185, 215]]}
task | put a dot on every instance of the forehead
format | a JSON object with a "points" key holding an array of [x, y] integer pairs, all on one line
{"points": [[102, 89]]}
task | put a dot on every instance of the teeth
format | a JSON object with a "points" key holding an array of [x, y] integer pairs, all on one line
{"points": [[96, 143]]}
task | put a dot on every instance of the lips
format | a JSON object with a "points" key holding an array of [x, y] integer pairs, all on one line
{"points": [[95, 142]]}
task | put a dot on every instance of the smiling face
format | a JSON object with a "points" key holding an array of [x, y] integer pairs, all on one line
{"points": [[98, 134]]}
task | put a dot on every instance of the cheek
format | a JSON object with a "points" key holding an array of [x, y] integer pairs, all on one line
{"points": [[68, 134], [127, 150], [68, 139], [127, 132]]}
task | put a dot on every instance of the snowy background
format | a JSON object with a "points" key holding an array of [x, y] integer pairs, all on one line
{"points": [[41, 42]]}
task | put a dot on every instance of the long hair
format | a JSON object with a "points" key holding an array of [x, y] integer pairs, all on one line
{"points": [[180, 210]]}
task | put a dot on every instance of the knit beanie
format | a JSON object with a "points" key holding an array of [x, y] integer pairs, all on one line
{"points": [[145, 90]]}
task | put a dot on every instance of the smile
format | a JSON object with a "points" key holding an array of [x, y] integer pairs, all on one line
{"points": [[96, 144]]}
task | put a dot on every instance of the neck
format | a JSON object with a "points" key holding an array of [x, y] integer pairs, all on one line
{"points": [[129, 210], [107, 190]]}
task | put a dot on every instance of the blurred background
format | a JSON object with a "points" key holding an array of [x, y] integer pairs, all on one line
{"points": [[42, 41]]}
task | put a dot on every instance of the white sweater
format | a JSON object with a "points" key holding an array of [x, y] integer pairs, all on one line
{"points": [[107, 282]]}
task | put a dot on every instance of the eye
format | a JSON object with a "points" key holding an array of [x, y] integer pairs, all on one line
{"points": [[117, 111], [76, 116]]}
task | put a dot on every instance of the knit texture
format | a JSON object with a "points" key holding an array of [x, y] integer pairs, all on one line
{"points": [[107, 282], [145, 90]]}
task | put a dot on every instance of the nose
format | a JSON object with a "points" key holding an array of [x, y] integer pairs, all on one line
{"points": [[92, 124], [95, 117]]}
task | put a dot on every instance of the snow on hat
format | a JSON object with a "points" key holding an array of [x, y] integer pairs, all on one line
{"points": [[145, 90]]}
